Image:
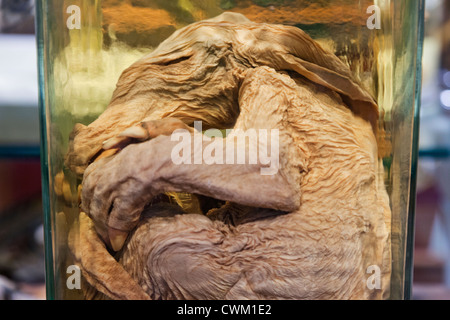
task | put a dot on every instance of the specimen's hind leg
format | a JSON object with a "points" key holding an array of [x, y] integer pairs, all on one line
{"points": [[99, 268]]}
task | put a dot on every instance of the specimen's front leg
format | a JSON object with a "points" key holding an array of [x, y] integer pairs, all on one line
{"points": [[116, 190]]}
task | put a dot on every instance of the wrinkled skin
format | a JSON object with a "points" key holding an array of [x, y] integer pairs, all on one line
{"points": [[310, 231]]}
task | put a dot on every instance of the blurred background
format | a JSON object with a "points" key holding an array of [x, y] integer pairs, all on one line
{"points": [[22, 273]]}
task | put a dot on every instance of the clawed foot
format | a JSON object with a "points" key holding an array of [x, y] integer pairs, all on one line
{"points": [[148, 129], [115, 236]]}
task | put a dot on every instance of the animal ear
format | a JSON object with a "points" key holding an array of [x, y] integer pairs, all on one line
{"points": [[328, 70], [356, 98], [296, 51]]}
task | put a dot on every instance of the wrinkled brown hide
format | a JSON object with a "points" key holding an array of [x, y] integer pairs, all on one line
{"points": [[310, 231], [195, 75]]}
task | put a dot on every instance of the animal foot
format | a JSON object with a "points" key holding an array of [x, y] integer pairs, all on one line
{"points": [[147, 130]]}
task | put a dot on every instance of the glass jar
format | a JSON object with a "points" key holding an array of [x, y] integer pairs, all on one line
{"points": [[337, 80]]}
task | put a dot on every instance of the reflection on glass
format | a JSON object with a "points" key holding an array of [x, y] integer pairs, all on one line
{"points": [[84, 50]]}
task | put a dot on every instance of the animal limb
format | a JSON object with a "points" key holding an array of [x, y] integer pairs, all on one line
{"points": [[115, 194]]}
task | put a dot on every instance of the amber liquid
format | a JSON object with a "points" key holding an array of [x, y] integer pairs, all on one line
{"points": [[81, 66]]}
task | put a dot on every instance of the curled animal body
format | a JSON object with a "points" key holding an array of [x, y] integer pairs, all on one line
{"points": [[154, 229]]}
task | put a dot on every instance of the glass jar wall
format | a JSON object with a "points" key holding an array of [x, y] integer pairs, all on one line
{"points": [[359, 57]]}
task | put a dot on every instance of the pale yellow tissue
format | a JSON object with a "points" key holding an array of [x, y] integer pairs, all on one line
{"points": [[85, 79]]}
